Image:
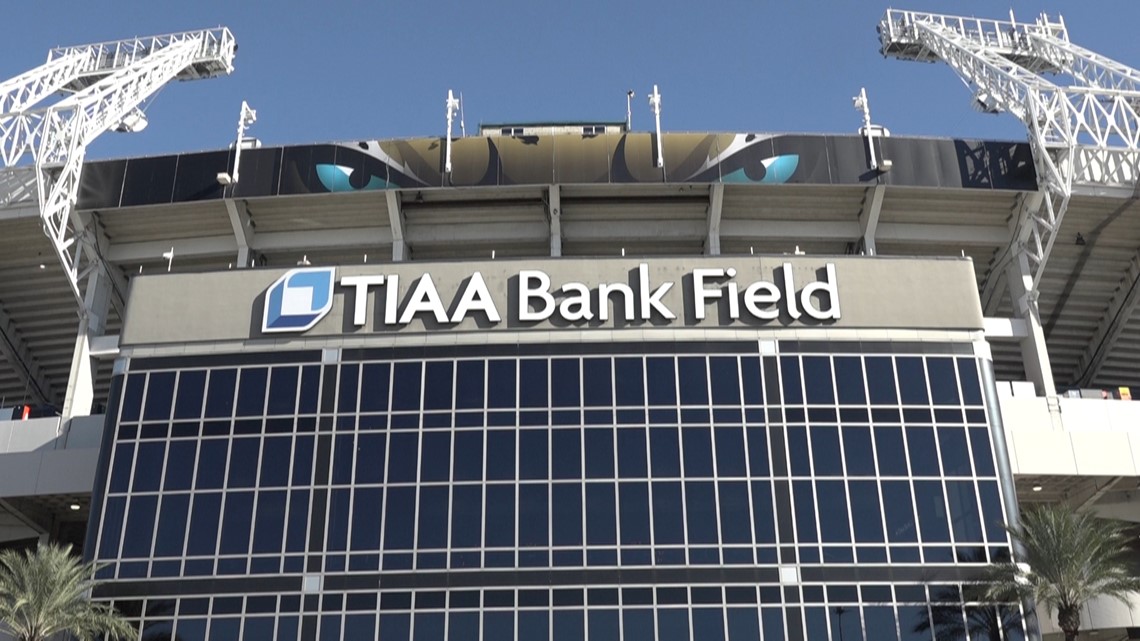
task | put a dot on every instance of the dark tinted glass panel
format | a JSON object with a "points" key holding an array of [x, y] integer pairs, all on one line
{"points": [[403, 453], [374, 385], [798, 450], [432, 531], [898, 511], [700, 499], [180, 469], [833, 522], [881, 380], [211, 464], [857, 452], [406, 386], [534, 514], [599, 453], [532, 383], [849, 380], [469, 384], [634, 513], [661, 381], [500, 454], [243, 462], [172, 522], [596, 381], [665, 452], [204, 524], [817, 379], [400, 518], [468, 456], [943, 384], [367, 508], [964, 517], [132, 397], [743, 625], [632, 453], [725, 380], [971, 388], [220, 397], [236, 522], [533, 454], [866, 514], [302, 460], [566, 513], [159, 394], [983, 455], [565, 385], [601, 514], [191, 390], [310, 390], [435, 463], [697, 447], [148, 467], [628, 381], [891, 452], [922, 450], [348, 390], [370, 458], [955, 453], [668, 522], [282, 390], [438, 385], [790, 380], [501, 385], [730, 451], [735, 519], [758, 451], [269, 522], [139, 533], [566, 458], [500, 530], [931, 511], [912, 380], [692, 380], [825, 451], [467, 516]]}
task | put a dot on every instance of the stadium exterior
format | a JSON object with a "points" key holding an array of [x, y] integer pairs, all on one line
{"points": [[561, 392]]}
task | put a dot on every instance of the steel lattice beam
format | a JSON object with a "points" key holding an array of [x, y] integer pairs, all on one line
{"points": [[1084, 137], [107, 83]]}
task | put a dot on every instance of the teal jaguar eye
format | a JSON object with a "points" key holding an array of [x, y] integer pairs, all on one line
{"points": [[335, 178]]}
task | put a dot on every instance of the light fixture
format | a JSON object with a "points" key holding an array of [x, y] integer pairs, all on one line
{"points": [[1080, 239], [1037, 488], [74, 507]]}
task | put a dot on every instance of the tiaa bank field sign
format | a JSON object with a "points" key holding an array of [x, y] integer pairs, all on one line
{"points": [[301, 298]]}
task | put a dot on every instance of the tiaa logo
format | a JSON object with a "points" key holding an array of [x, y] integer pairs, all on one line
{"points": [[298, 300]]}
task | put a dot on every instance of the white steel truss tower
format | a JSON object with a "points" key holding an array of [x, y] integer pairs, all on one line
{"points": [[1085, 136], [102, 86]]}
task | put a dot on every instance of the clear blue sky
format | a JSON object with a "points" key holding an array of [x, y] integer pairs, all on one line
{"points": [[319, 71]]}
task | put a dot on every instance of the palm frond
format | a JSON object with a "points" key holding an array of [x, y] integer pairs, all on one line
{"points": [[46, 591]]}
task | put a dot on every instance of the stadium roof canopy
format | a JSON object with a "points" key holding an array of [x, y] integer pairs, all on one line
{"points": [[576, 195]]}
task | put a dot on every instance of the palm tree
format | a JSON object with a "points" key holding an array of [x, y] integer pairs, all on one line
{"points": [[45, 592], [1071, 557]]}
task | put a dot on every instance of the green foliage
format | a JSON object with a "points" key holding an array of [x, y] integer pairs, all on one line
{"points": [[45, 592], [1073, 557]]}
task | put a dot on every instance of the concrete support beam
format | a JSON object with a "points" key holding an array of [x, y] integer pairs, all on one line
{"points": [[243, 230], [1088, 498], [972, 235], [1112, 322], [869, 218], [20, 360], [716, 205], [92, 326], [119, 287], [554, 217], [400, 250], [995, 284], [1034, 353]]}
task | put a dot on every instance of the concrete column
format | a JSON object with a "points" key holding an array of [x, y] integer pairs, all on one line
{"points": [[81, 382], [1034, 352]]}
